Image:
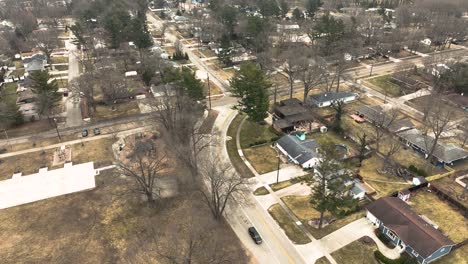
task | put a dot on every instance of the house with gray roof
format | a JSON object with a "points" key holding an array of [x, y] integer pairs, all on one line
{"points": [[395, 219], [36, 62], [290, 114], [329, 98], [300, 152], [443, 153]]}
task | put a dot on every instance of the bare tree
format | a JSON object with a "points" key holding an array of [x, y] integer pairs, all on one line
{"points": [[439, 121], [391, 149], [311, 74], [223, 183], [291, 66], [46, 41], [84, 86], [145, 166], [382, 121]]}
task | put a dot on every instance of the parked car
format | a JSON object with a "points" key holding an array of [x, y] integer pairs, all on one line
{"points": [[255, 235], [84, 133], [97, 131]]}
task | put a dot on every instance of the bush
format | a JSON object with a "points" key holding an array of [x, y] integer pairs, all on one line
{"points": [[404, 259], [417, 171]]}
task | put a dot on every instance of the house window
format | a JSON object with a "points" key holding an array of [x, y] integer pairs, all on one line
{"points": [[414, 253], [391, 235]]}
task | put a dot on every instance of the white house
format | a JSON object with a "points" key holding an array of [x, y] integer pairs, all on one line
{"points": [[327, 99], [300, 152]]}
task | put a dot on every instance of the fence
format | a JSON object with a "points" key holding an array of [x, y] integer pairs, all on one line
{"points": [[449, 198]]}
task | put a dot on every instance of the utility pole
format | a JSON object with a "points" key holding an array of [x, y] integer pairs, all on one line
{"points": [[56, 128], [8, 139], [277, 172], [209, 90]]}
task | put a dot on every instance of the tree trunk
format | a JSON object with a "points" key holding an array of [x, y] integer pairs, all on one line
{"points": [[321, 219], [291, 84]]}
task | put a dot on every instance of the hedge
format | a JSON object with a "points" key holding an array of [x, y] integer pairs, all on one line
{"points": [[404, 259]]}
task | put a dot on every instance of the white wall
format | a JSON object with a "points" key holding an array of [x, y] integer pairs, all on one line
{"points": [[46, 184]]}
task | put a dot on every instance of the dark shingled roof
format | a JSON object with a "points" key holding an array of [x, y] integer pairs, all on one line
{"points": [[300, 150], [396, 215], [447, 153], [331, 96]]}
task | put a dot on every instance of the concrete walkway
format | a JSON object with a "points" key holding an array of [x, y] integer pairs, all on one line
{"points": [[287, 172], [77, 141], [352, 232]]}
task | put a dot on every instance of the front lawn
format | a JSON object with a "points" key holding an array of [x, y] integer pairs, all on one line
{"points": [[457, 256], [384, 85], [302, 209], [61, 67], [253, 133], [450, 221], [104, 112], [28, 163], [290, 228], [358, 252], [58, 59], [263, 158]]}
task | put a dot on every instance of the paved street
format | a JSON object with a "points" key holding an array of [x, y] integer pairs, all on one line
{"points": [[74, 117]]}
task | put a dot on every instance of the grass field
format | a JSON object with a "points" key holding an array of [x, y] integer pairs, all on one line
{"points": [[383, 183], [104, 112], [99, 151], [8, 93], [383, 85], [457, 256], [252, 133], [263, 158], [55, 60], [107, 225], [357, 252], [293, 232], [303, 210], [231, 147], [450, 221]]}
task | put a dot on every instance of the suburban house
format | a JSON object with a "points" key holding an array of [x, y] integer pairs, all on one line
{"points": [[406, 229], [35, 62], [329, 98], [300, 152], [290, 115], [358, 190], [377, 116], [443, 153]]}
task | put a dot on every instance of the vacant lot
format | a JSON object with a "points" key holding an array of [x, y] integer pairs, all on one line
{"points": [[358, 252], [293, 232], [302, 209], [450, 221], [263, 158], [384, 85], [108, 225]]}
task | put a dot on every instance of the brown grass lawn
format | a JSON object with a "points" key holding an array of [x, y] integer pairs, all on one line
{"points": [[104, 226], [303, 210], [383, 183], [279, 79], [263, 158], [26, 128], [99, 151], [283, 184], [357, 252], [450, 221], [26, 163], [41, 142], [322, 260], [450, 187], [252, 133], [407, 157], [333, 138], [355, 129], [124, 109], [57, 59], [421, 102], [293, 232], [261, 191]]}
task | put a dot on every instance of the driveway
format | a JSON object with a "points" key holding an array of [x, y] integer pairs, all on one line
{"points": [[74, 117], [352, 232]]}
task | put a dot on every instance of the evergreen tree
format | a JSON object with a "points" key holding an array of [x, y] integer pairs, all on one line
{"points": [[46, 92], [329, 193], [192, 86], [224, 54], [251, 85], [312, 7], [297, 14]]}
